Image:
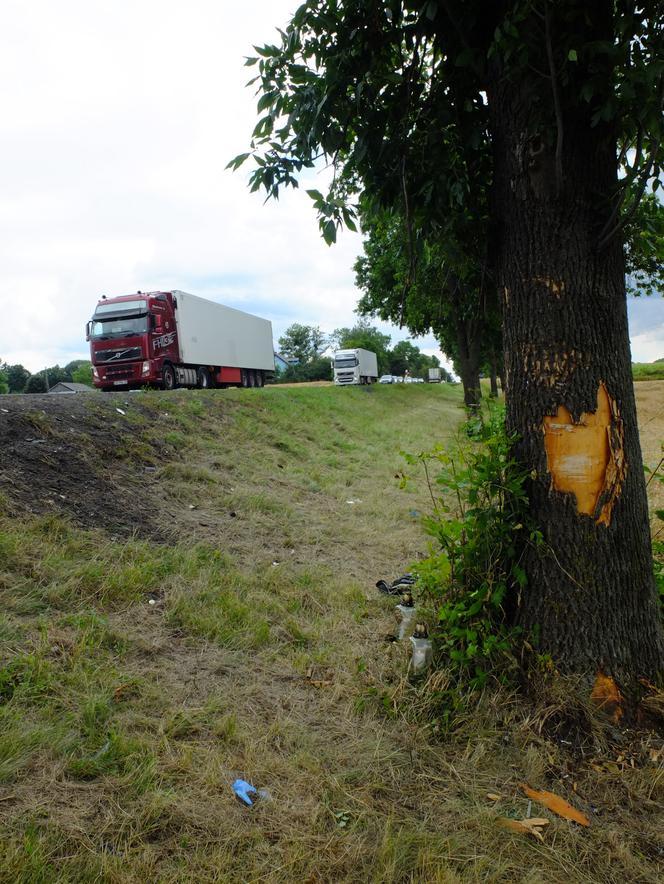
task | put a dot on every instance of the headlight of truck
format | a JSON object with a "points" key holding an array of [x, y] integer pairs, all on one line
{"points": [[95, 373], [146, 368]]}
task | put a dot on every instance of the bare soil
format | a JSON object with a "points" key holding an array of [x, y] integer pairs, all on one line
{"points": [[71, 454]]}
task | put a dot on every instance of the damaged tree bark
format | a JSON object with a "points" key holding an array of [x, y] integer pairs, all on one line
{"points": [[590, 600]]}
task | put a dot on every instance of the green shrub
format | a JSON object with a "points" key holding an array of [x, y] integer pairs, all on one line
{"points": [[480, 531]]}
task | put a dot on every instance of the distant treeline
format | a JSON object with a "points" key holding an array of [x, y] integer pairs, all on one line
{"points": [[17, 378], [303, 344], [648, 371]]}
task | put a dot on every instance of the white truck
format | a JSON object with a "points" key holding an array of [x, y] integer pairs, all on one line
{"points": [[435, 376], [172, 339], [355, 366]]}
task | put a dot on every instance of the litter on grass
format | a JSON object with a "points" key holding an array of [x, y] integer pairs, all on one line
{"points": [[243, 789]]}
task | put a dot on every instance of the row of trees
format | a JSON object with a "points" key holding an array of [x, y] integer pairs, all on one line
{"points": [[305, 344], [506, 149], [17, 379]]}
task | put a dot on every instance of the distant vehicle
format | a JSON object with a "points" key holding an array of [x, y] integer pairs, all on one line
{"points": [[410, 380], [387, 379], [435, 376], [356, 366], [175, 339]]}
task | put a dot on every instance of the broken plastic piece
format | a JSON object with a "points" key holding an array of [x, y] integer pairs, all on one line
{"points": [[406, 613], [422, 655], [242, 789]]}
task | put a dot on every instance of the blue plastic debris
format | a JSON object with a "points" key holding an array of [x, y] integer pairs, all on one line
{"points": [[242, 789]]}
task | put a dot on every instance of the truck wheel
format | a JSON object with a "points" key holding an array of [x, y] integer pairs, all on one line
{"points": [[168, 380], [260, 379], [244, 376], [252, 378], [203, 378]]}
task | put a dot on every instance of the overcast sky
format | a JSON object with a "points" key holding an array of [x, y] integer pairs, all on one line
{"points": [[117, 118]]}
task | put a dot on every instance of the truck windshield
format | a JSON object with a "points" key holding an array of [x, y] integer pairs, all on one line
{"points": [[118, 326], [345, 362]]}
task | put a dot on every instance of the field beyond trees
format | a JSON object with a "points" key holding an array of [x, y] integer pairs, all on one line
{"points": [[187, 587]]}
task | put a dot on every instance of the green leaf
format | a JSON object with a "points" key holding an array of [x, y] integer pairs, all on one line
{"points": [[265, 101], [572, 56], [330, 232], [316, 195], [237, 161]]}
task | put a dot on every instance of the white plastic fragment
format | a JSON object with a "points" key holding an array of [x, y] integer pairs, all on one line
{"points": [[422, 655], [406, 615], [120, 411]]}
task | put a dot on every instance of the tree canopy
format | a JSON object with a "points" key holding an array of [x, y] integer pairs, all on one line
{"points": [[302, 342], [521, 137], [394, 95]]}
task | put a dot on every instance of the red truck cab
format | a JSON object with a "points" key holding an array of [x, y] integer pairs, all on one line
{"points": [[132, 338]]}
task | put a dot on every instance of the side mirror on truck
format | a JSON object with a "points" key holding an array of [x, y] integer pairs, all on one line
{"points": [[87, 331]]}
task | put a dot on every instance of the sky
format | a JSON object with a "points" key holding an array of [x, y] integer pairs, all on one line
{"points": [[117, 119]]}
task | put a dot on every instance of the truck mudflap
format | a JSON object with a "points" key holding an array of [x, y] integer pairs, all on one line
{"points": [[229, 375]]}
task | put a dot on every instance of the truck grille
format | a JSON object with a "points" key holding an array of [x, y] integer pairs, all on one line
{"points": [[103, 356], [122, 371], [345, 377]]}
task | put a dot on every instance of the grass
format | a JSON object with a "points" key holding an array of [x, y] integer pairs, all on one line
{"points": [[138, 679], [648, 371]]}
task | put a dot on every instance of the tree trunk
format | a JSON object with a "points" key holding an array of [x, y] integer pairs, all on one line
{"points": [[493, 374], [469, 363], [590, 600]]}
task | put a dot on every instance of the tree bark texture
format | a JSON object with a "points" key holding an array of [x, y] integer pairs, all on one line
{"points": [[469, 358], [590, 600]]}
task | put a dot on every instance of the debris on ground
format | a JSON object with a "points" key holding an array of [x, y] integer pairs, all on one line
{"points": [[556, 804], [242, 790], [320, 680], [422, 655], [398, 586], [530, 826], [406, 613]]}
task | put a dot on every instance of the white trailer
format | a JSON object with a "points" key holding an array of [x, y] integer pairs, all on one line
{"points": [[212, 334], [435, 376], [355, 366]]}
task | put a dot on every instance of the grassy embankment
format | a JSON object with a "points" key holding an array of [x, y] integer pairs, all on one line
{"points": [[123, 723]]}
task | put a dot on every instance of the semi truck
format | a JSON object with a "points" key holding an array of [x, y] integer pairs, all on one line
{"points": [[355, 366], [435, 376], [171, 339]]}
